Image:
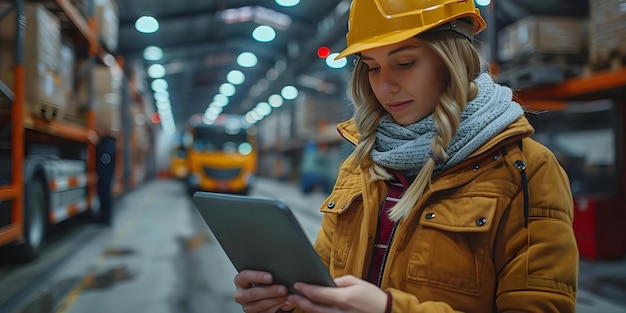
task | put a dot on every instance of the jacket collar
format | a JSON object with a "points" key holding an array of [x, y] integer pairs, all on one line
{"points": [[519, 129]]}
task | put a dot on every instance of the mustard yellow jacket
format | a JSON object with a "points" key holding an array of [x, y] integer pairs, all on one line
{"points": [[466, 246]]}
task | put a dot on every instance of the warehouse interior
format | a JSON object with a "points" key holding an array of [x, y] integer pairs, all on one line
{"points": [[148, 73]]}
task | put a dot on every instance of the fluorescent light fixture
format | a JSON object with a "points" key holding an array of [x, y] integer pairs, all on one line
{"points": [[289, 92], [152, 53], [161, 95], [259, 14], [220, 100], [156, 71], [275, 101], [227, 89], [287, 3], [264, 108], [330, 61], [159, 84], [247, 59], [146, 24], [264, 33], [236, 77]]}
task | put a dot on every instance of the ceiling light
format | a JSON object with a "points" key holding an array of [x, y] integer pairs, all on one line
{"points": [[275, 101], [264, 108], [156, 71], [161, 96], [159, 84], [330, 61], [146, 24], [289, 92], [152, 53], [220, 100], [236, 77], [227, 89], [213, 111], [247, 59], [287, 3], [249, 118], [164, 105], [256, 115], [264, 33]]}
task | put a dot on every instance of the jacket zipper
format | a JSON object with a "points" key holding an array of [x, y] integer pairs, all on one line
{"points": [[384, 262]]}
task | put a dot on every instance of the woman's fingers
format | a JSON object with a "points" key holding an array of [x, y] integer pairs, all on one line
{"points": [[246, 278], [256, 294]]}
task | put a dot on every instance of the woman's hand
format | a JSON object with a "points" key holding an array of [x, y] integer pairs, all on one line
{"points": [[256, 294], [351, 295]]}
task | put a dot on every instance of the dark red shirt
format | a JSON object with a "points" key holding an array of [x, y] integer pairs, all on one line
{"points": [[386, 227]]}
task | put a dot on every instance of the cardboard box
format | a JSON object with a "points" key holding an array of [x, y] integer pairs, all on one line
{"points": [[107, 109], [542, 34], [106, 16], [41, 55], [607, 29], [107, 22]]}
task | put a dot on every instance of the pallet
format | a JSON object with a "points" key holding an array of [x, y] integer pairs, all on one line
{"points": [[612, 61], [527, 76], [570, 64]]}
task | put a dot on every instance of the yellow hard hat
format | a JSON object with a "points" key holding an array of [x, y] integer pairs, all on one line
{"points": [[375, 23]]}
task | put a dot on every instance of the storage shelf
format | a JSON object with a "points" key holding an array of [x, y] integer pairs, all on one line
{"points": [[79, 21], [596, 86], [59, 129], [9, 192], [4, 89]]}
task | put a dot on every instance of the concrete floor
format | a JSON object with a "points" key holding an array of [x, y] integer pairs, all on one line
{"points": [[159, 256]]}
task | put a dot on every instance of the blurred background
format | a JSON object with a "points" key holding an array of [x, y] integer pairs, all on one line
{"points": [[242, 96]]}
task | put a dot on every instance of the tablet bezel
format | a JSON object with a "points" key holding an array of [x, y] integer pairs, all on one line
{"points": [[262, 234]]}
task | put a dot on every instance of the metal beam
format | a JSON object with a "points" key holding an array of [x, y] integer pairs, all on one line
{"points": [[334, 28]]}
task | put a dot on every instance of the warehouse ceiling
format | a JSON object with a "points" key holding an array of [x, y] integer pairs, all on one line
{"points": [[202, 39]]}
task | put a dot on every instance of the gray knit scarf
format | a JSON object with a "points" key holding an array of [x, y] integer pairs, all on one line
{"points": [[406, 148]]}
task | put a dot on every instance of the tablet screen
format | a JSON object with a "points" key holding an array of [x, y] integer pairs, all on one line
{"points": [[262, 234]]}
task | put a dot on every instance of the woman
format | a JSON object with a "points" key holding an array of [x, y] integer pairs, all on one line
{"points": [[446, 204]]}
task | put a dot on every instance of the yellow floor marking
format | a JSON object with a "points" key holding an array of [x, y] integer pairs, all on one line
{"points": [[68, 302]]}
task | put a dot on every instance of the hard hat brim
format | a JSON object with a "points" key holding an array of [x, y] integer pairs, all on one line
{"points": [[378, 41], [397, 36]]}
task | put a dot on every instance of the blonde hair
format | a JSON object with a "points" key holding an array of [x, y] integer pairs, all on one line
{"points": [[463, 64]]}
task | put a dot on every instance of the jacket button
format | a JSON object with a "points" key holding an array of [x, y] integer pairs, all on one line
{"points": [[476, 167], [430, 216], [330, 205], [496, 157], [481, 221]]}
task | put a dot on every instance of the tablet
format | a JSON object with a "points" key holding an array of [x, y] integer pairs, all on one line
{"points": [[262, 234]]}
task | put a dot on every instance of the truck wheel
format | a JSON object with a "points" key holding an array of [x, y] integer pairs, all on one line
{"points": [[35, 220]]}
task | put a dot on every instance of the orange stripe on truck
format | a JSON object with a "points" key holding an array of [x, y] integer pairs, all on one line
{"points": [[53, 185], [72, 210], [72, 181]]}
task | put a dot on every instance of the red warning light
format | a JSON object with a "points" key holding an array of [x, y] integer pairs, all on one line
{"points": [[323, 52], [155, 118]]}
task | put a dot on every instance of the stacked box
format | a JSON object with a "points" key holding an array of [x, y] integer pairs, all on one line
{"points": [[41, 55], [66, 72], [315, 113], [607, 29], [106, 16], [107, 97], [107, 22], [542, 34]]}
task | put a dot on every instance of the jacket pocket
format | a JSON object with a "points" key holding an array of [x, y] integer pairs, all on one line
{"points": [[346, 205], [451, 244]]}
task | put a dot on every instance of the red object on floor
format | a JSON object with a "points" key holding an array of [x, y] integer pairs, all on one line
{"points": [[600, 228]]}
